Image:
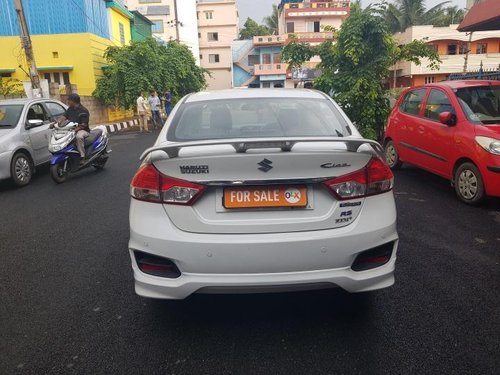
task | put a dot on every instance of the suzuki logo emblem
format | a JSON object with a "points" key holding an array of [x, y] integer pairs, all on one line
{"points": [[265, 165]]}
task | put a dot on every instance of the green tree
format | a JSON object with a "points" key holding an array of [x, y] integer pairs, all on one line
{"points": [[272, 21], [146, 65], [451, 15], [252, 28], [405, 13], [355, 67]]}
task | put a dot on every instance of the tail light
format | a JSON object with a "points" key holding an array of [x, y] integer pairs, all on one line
{"points": [[150, 185], [375, 178]]}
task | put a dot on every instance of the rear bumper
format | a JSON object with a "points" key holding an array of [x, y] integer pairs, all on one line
{"points": [[187, 284], [262, 262]]}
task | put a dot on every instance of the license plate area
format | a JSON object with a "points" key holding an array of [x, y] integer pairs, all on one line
{"points": [[265, 197]]}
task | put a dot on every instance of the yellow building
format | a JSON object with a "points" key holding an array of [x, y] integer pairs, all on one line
{"points": [[67, 57]]}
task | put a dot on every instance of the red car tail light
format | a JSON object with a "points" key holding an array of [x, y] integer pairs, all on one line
{"points": [[150, 185], [375, 178]]}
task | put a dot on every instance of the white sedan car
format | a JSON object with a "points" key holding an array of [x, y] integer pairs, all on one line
{"points": [[261, 191]]}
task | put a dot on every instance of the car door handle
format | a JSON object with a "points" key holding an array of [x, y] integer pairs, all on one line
{"points": [[421, 129]]}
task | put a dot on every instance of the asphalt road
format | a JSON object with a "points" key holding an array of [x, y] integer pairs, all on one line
{"points": [[67, 304]]}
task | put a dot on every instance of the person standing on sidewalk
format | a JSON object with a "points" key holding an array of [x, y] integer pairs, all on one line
{"points": [[142, 111], [168, 102], [154, 104]]}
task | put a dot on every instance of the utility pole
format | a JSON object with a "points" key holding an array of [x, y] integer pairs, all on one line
{"points": [[176, 21], [28, 49], [466, 58]]}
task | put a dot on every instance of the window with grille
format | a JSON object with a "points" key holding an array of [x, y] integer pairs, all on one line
{"points": [[213, 37], [213, 58], [481, 48], [157, 26], [122, 33]]}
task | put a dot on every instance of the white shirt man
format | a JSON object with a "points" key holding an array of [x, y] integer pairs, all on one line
{"points": [[142, 111]]}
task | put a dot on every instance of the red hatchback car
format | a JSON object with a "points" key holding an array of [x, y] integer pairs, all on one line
{"points": [[451, 129]]}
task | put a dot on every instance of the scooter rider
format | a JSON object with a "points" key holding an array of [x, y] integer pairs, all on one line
{"points": [[76, 112]]}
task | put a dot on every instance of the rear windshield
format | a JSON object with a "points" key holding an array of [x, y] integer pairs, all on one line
{"points": [[9, 114], [254, 118], [481, 104]]}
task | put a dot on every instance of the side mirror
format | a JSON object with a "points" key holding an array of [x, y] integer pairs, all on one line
{"points": [[447, 118], [34, 123]]}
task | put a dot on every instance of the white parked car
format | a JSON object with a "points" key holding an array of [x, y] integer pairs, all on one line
{"points": [[257, 191]]}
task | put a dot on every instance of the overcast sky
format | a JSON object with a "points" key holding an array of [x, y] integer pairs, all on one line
{"points": [[258, 9]]}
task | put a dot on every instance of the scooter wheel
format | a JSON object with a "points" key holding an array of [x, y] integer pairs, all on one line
{"points": [[58, 174]]}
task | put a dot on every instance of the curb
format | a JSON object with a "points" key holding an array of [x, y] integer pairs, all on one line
{"points": [[117, 126]]}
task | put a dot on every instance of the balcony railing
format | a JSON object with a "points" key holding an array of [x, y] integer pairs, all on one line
{"points": [[269, 40], [311, 36], [318, 5], [268, 69]]}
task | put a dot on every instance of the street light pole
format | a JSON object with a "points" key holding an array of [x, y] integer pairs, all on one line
{"points": [[176, 22], [28, 49]]}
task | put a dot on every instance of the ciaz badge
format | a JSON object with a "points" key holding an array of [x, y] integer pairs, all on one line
{"points": [[335, 165]]}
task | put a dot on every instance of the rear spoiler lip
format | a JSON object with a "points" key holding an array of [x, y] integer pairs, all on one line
{"points": [[241, 145]]}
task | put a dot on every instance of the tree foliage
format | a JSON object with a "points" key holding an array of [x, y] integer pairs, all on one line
{"points": [[11, 86], [401, 14], [451, 15], [355, 66], [272, 21], [145, 65], [252, 28]]}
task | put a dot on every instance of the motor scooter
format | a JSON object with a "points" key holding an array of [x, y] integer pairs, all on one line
{"points": [[65, 156]]}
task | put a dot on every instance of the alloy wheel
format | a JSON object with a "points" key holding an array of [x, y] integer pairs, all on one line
{"points": [[390, 154], [22, 169]]}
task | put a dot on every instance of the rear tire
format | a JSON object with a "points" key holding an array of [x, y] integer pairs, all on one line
{"points": [[21, 169], [392, 155], [100, 165], [100, 162], [469, 184], [57, 173]]}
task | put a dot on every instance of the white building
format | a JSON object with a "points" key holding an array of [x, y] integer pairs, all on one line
{"points": [[173, 20], [217, 29]]}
